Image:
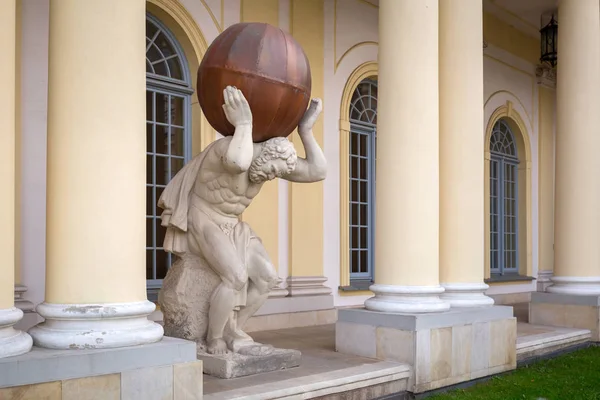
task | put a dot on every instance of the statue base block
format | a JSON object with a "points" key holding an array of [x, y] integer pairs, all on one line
{"points": [[235, 365]]}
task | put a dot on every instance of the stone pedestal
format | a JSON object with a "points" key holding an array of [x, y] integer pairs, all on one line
{"points": [[167, 370], [443, 348], [235, 365], [566, 310]]}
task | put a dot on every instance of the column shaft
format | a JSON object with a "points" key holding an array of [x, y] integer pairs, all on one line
{"points": [[12, 342], [407, 201], [96, 178], [577, 215], [461, 146]]}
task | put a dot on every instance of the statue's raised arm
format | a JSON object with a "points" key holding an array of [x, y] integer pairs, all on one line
{"points": [[237, 154], [313, 168]]}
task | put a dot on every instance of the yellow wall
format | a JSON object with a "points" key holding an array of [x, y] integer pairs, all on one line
{"points": [[508, 38], [546, 176], [306, 199], [263, 213]]}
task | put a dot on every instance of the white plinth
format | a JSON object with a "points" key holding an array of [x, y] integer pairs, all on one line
{"points": [[12, 341], [578, 285], [466, 295], [406, 299], [95, 326]]}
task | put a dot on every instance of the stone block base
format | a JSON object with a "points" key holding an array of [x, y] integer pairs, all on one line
{"points": [[566, 310], [444, 348], [166, 370], [234, 365]]}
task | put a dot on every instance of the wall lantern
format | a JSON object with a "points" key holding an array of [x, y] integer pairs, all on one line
{"points": [[549, 40]]}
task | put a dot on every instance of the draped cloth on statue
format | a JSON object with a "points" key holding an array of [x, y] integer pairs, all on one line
{"points": [[175, 201]]}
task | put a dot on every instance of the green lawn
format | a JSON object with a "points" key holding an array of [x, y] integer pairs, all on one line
{"points": [[574, 376]]}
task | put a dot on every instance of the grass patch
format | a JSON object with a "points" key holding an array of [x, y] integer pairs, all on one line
{"points": [[573, 376]]}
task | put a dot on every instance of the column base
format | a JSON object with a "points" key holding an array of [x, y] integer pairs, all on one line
{"points": [[443, 348], [20, 302], [567, 311], [544, 280], [12, 341], [95, 326], [466, 295], [406, 299], [307, 286], [577, 285]]}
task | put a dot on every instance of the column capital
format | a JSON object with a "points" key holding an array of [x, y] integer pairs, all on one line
{"points": [[546, 75]]}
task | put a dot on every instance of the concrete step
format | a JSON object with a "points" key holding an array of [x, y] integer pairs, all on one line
{"points": [[362, 382], [538, 340]]}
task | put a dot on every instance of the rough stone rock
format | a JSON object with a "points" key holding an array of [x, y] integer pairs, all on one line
{"points": [[185, 298]]}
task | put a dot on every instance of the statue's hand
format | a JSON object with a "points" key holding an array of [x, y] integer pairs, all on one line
{"points": [[236, 107], [310, 116]]}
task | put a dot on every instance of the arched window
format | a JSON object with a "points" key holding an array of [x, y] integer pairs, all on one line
{"points": [[363, 123], [168, 102], [504, 200]]}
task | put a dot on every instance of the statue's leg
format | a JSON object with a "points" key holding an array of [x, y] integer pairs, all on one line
{"points": [[222, 257], [263, 278]]}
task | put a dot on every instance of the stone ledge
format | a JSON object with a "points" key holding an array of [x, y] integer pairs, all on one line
{"points": [[531, 346], [43, 365], [296, 304], [413, 322], [322, 385], [559, 298]]}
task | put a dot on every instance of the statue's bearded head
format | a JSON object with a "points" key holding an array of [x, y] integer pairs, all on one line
{"points": [[276, 159]]}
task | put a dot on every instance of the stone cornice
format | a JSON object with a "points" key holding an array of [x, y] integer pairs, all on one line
{"points": [[546, 75]]}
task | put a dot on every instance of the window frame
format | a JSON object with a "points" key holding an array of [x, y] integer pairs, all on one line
{"points": [[167, 86], [502, 160], [362, 280]]}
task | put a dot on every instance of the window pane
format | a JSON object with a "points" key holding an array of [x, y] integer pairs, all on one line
{"points": [[162, 142], [162, 108], [364, 263], [354, 261], [162, 170], [354, 190], [177, 142], [149, 233], [354, 237], [149, 263], [149, 169], [175, 68], [177, 111], [149, 105], [149, 200], [149, 138], [162, 263]]}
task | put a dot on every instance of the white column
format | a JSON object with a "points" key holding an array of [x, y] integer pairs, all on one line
{"points": [[461, 145], [12, 341], [577, 193], [407, 199], [95, 280]]}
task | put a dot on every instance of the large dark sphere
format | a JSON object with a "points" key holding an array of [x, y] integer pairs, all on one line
{"points": [[271, 70]]}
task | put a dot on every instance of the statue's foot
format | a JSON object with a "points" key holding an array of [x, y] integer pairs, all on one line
{"points": [[217, 346], [241, 335], [256, 349]]}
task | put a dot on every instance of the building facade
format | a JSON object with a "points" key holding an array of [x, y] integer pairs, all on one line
{"points": [[458, 175]]}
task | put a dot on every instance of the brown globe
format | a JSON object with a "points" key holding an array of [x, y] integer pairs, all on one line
{"points": [[271, 70]]}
